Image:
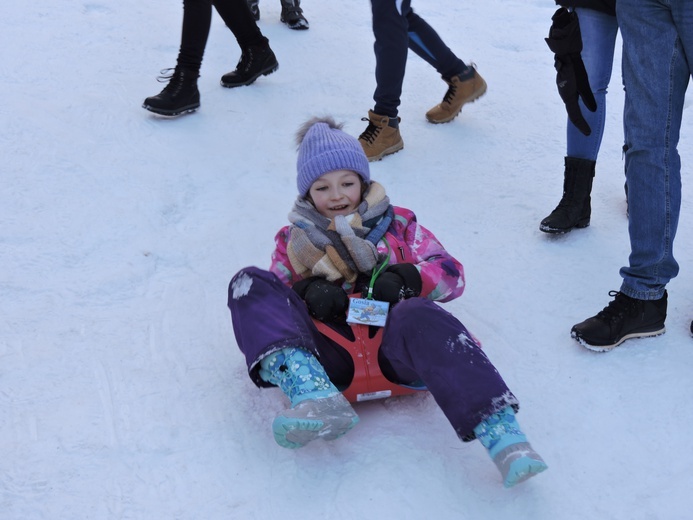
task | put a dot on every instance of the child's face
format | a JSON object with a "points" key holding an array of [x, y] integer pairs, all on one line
{"points": [[336, 193]]}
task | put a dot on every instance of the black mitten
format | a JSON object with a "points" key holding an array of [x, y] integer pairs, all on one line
{"points": [[302, 285], [398, 282], [325, 301], [565, 41]]}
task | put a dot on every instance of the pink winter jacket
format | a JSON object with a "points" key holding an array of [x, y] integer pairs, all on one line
{"points": [[442, 275]]}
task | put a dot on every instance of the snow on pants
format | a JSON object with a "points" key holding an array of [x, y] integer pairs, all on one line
{"points": [[421, 342]]}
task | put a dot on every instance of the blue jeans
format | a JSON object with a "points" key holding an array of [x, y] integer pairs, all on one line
{"points": [[657, 38], [598, 42]]}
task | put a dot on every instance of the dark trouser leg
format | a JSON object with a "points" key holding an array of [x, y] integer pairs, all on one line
{"points": [[197, 18], [238, 17], [423, 342], [391, 46], [268, 316]]}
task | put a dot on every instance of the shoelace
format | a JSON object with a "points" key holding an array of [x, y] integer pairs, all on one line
{"points": [[620, 306], [452, 89], [371, 131], [175, 81], [165, 75], [246, 60]]}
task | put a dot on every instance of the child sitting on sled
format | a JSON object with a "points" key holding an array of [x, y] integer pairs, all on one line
{"points": [[346, 238]]}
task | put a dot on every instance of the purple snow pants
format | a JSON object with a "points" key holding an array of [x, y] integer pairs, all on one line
{"points": [[421, 343]]}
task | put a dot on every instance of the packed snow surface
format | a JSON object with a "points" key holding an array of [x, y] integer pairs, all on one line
{"points": [[123, 394]]}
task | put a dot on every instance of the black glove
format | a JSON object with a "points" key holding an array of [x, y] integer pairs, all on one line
{"points": [[565, 41], [398, 282], [325, 301]]}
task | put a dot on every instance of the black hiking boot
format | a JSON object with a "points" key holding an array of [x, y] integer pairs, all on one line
{"points": [[179, 96], [256, 61], [624, 318], [574, 209], [292, 15]]}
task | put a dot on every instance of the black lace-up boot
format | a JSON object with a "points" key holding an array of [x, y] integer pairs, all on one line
{"points": [[292, 15], [256, 61], [179, 96], [624, 318], [574, 209]]}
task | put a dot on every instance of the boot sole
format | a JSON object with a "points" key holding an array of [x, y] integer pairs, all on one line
{"points": [[518, 462], [296, 26], [561, 231], [264, 72], [388, 151], [326, 419], [521, 470], [172, 113], [475, 95], [607, 348]]}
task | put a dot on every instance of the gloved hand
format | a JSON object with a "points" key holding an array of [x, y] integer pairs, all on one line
{"points": [[397, 282], [565, 41], [325, 300]]}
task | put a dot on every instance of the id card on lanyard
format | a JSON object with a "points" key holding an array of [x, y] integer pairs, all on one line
{"points": [[367, 311]]}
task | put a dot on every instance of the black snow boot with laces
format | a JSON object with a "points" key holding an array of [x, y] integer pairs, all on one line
{"points": [[179, 96], [256, 61], [624, 318]]}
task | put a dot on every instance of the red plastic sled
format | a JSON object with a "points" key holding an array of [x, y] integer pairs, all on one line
{"points": [[369, 382]]}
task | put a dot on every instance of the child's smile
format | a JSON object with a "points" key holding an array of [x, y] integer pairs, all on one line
{"points": [[336, 193]]}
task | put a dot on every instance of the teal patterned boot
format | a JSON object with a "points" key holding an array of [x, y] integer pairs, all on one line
{"points": [[318, 409], [508, 447]]}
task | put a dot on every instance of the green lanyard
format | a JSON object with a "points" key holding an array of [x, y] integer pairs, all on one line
{"points": [[376, 272]]}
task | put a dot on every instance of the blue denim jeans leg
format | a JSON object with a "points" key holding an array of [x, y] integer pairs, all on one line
{"points": [[599, 32], [657, 38]]}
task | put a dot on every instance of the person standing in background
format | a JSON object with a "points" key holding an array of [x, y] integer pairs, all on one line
{"points": [[292, 14], [397, 29], [181, 94], [590, 31], [657, 64]]}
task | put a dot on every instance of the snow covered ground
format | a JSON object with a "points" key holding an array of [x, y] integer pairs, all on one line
{"points": [[122, 392]]}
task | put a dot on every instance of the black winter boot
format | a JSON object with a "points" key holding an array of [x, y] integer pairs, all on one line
{"points": [[624, 318], [574, 209], [179, 96], [292, 15], [256, 61], [254, 7]]}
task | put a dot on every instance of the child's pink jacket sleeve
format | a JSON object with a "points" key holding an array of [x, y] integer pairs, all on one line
{"points": [[442, 274]]}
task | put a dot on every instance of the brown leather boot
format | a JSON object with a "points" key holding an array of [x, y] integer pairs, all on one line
{"points": [[459, 92], [381, 137]]}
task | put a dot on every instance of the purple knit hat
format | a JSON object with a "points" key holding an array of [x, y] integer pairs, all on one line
{"points": [[322, 148]]}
